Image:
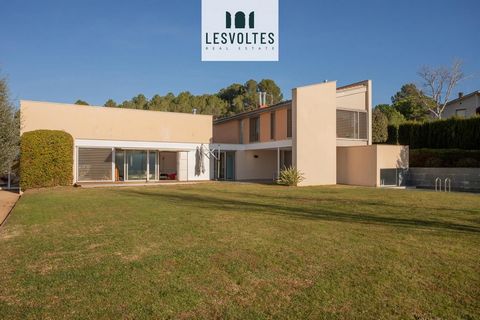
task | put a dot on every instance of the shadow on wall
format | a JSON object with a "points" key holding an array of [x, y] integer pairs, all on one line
{"points": [[404, 158], [269, 205], [200, 161]]}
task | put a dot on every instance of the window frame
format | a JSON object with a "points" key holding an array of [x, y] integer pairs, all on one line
{"points": [[356, 124], [254, 130]]}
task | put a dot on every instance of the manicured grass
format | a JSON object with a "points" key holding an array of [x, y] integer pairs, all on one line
{"points": [[241, 251]]}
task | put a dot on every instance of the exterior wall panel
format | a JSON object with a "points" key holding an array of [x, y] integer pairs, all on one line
{"points": [[227, 132], [314, 133], [87, 122]]}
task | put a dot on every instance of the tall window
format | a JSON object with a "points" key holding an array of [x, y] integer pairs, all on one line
{"points": [[352, 125], [272, 125], [254, 129], [241, 132], [289, 123]]}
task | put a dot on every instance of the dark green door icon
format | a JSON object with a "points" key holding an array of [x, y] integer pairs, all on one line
{"points": [[228, 20], [251, 20], [240, 20]]}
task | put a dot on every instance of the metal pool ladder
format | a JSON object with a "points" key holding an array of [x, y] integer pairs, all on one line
{"points": [[447, 185], [438, 184]]}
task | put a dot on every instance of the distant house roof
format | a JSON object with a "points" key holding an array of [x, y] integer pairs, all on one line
{"points": [[464, 97]]}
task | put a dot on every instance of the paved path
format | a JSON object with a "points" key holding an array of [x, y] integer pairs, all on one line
{"points": [[7, 201]]}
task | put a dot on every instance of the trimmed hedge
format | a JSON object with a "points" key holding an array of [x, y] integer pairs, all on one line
{"points": [[444, 158], [392, 137], [46, 159], [452, 133]]}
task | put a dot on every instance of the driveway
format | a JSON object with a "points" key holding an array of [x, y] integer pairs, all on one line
{"points": [[7, 201]]}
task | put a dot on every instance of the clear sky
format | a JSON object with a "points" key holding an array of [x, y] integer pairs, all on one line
{"points": [[95, 50]]}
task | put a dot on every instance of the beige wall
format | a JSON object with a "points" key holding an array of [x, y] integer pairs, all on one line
{"points": [[281, 129], [360, 165], [227, 132], [250, 168], [352, 98], [357, 166], [265, 127], [100, 123], [357, 96], [314, 133]]}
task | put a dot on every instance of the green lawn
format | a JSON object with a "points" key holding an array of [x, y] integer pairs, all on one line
{"points": [[241, 251]]}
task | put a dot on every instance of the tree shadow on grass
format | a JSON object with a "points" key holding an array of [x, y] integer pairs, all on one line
{"points": [[359, 202], [195, 201]]}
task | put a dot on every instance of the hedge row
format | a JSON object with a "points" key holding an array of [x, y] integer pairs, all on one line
{"points": [[46, 159], [452, 133], [444, 158]]}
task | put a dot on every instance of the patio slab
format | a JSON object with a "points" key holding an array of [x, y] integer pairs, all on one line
{"points": [[7, 201]]}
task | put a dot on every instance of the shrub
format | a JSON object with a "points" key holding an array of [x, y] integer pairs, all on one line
{"points": [[392, 134], [290, 177], [379, 126], [446, 158], [46, 159], [452, 133]]}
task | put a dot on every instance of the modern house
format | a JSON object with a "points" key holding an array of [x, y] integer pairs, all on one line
{"points": [[465, 106], [324, 131]]}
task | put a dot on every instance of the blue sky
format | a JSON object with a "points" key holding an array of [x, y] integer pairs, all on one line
{"points": [[94, 50]]}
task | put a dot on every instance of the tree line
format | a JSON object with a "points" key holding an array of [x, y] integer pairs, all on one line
{"points": [[228, 101]]}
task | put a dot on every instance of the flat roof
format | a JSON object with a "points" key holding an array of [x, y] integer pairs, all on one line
{"points": [[108, 108], [254, 112]]}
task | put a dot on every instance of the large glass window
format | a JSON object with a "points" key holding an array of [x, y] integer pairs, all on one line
{"points": [[137, 165], [352, 125], [94, 164], [254, 129]]}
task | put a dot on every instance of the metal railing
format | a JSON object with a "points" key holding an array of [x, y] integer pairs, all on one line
{"points": [[447, 185]]}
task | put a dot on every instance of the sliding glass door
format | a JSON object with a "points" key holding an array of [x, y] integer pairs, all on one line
{"points": [[225, 166], [136, 165]]}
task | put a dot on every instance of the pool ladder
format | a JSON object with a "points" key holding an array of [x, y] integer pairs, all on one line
{"points": [[447, 185]]}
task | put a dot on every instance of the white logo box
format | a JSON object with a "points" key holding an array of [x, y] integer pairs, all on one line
{"points": [[251, 35]]}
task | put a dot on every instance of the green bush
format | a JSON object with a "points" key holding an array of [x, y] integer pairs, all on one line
{"points": [[392, 137], [46, 159], [444, 158], [290, 177], [452, 133], [379, 127]]}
